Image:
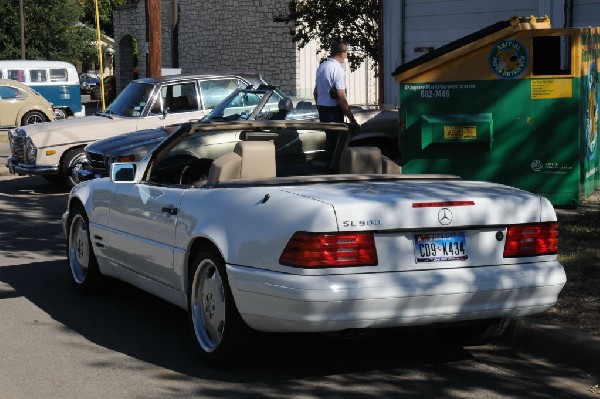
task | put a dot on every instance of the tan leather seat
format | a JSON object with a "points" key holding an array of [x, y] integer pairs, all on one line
{"points": [[249, 160], [366, 160]]}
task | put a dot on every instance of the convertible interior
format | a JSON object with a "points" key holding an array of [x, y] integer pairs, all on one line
{"points": [[267, 158]]}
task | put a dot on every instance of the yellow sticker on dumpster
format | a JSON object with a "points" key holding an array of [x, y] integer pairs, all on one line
{"points": [[460, 132], [551, 88]]}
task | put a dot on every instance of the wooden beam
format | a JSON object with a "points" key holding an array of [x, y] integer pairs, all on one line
{"points": [[154, 38]]}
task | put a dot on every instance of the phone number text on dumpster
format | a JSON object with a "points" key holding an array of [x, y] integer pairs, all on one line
{"points": [[437, 90]]}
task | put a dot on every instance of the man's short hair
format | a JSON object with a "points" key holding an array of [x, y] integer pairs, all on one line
{"points": [[338, 47]]}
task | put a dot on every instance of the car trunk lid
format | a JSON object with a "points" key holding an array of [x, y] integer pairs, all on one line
{"points": [[415, 222]]}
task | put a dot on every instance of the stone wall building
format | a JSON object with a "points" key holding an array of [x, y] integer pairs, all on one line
{"points": [[213, 36]]}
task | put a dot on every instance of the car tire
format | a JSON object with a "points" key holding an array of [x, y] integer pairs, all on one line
{"points": [[218, 331], [83, 265], [33, 117], [475, 333], [73, 160]]}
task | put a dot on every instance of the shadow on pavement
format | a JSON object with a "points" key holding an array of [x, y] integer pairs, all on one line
{"points": [[30, 210], [134, 323]]}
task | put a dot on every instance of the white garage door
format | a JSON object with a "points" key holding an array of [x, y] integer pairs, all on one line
{"points": [[586, 13]]}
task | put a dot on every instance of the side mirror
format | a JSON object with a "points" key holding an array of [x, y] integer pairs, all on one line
{"points": [[122, 172]]}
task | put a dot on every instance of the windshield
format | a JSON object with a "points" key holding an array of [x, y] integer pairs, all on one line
{"points": [[244, 105], [132, 100]]}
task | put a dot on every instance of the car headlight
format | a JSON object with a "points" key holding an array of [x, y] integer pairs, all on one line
{"points": [[30, 151], [16, 140]]}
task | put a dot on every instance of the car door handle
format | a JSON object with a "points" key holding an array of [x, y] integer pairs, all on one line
{"points": [[169, 210]]}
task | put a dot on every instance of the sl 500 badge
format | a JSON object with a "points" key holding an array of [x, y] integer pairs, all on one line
{"points": [[361, 223]]}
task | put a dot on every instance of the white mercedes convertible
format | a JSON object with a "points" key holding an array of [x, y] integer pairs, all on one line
{"points": [[253, 226]]}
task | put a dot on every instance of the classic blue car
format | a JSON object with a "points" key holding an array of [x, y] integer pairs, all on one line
{"points": [[87, 81]]}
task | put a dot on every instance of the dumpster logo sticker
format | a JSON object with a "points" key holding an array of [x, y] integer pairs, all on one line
{"points": [[551, 167], [508, 59], [591, 115]]}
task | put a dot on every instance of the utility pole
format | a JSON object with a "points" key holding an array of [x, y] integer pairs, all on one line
{"points": [[154, 38], [22, 20], [175, 38]]}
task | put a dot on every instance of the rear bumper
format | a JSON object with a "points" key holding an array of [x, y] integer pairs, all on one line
{"points": [[270, 301]]}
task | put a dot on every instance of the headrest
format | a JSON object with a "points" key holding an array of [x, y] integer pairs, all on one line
{"points": [[361, 160], [258, 159], [286, 104]]}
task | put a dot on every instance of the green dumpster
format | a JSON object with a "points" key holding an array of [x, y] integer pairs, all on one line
{"points": [[514, 103]]}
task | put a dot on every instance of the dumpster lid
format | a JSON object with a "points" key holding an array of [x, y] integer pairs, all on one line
{"points": [[463, 41]]}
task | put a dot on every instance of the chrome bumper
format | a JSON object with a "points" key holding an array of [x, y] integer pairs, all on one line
{"points": [[23, 169]]}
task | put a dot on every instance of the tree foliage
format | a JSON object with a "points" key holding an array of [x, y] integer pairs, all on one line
{"points": [[105, 13], [52, 31], [328, 20]]}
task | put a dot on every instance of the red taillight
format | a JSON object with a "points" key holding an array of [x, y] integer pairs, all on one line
{"points": [[330, 250], [531, 240]]}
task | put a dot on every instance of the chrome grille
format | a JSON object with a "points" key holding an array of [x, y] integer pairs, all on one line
{"points": [[96, 161], [16, 141]]}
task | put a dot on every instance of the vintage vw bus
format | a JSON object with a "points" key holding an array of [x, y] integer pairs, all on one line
{"points": [[57, 81]]}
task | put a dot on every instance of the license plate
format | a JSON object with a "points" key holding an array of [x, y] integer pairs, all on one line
{"points": [[440, 247]]}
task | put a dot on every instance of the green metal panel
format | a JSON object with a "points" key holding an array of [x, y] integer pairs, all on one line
{"points": [[456, 129], [535, 142]]}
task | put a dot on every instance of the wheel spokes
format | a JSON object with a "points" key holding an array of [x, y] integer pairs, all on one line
{"points": [[79, 249], [208, 306], [214, 306]]}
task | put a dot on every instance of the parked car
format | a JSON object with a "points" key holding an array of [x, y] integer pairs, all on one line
{"points": [[379, 127], [267, 237], [87, 82], [56, 150], [20, 106], [110, 90]]}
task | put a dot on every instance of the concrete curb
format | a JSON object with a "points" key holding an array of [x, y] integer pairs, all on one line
{"points": [[556, 343]]}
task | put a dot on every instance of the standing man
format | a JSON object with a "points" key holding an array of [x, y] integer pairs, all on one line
{"points": [[330, 91]]}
